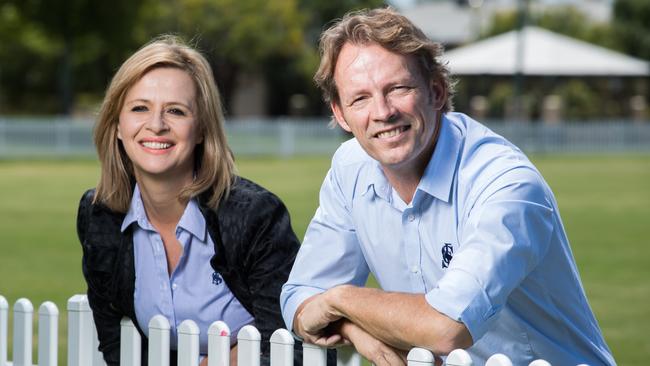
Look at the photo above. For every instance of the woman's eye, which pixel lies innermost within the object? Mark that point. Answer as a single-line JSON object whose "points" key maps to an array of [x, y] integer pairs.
{"points": [[177, 112], [139, 108]]}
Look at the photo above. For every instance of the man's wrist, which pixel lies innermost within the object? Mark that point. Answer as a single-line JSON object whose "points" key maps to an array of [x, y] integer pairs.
{"points": [[336, 298]]}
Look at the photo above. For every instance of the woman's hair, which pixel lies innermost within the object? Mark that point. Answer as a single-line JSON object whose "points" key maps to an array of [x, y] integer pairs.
{"points": [[393, 32], [214, 165]]}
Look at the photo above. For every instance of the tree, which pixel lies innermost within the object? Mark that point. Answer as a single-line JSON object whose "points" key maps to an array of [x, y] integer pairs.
{"points": [[566, 20], [48, 44], [79, 32], [321, 13], [631, 26], [235, 35]]}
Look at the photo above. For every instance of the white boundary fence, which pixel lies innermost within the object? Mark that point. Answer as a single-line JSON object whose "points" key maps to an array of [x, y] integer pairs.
{"points": [[61, 137], [82, 342]]}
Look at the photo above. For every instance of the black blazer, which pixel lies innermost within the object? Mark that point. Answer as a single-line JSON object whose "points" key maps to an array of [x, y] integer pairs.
{"points": [[256, 249]]}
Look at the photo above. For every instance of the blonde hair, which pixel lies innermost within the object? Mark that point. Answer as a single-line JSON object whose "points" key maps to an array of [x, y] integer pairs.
{"points": [[393, 32], [214, 165]]}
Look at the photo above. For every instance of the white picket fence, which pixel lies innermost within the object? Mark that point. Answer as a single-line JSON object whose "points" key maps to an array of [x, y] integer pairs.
{"points": [[82, 342]]}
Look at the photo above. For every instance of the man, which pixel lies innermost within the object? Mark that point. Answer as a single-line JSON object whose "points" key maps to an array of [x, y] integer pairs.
{"points": [[455, 223]]}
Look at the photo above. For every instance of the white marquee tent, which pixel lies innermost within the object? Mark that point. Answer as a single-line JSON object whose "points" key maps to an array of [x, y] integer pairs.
{"points": [[544, 53]]}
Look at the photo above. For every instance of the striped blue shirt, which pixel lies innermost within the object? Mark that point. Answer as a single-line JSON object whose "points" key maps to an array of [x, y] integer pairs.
{"points": [[482, 238], [194, 290]]}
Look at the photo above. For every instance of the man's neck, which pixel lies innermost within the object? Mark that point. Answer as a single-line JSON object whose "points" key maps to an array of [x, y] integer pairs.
{"points": [[405, 178]]}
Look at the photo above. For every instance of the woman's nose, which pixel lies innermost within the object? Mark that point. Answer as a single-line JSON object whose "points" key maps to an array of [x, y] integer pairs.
{"points": [[157, 123]]}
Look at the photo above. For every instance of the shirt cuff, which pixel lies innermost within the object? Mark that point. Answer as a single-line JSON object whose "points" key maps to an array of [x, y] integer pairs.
{"points": [[459, 296], [290, 305]]}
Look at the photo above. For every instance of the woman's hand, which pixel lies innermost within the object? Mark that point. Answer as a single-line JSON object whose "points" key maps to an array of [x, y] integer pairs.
{"points": [[233, 357]]}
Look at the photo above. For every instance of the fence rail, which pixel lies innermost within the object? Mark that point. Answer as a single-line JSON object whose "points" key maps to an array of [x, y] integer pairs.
{"points": [[82, 342], [289, 137]]}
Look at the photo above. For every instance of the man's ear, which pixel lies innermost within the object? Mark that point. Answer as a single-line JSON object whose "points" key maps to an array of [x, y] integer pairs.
{"points": [[438, 95], [338, 116]]}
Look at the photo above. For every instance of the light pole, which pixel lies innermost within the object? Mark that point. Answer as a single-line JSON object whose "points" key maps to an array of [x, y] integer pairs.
{"points": [[518, 89]]}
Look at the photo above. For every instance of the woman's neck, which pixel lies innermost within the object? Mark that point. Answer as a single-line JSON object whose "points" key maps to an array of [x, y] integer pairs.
{"points": [[161, 203]]}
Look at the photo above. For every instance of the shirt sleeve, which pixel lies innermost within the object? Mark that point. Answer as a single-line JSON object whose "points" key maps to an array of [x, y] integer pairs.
{"points": [[503, 236], [330, 254]]}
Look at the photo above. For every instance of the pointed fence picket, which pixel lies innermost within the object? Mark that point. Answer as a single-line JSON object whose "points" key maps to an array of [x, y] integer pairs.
{"points": [[4, 320], [219, 344], [82, 335], [282, 343], [83, 344], [48, 327]]}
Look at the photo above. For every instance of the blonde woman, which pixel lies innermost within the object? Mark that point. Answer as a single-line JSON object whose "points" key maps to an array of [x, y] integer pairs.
{"points": [[170, 229]]}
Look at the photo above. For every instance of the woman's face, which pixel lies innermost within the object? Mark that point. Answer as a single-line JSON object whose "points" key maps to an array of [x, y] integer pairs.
{"points": [[158, 125]]}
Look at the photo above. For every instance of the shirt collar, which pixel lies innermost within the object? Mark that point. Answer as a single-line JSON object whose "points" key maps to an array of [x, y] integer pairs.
{"points": [[192, 220], [438, 175], [377, 182], [136, 212]]}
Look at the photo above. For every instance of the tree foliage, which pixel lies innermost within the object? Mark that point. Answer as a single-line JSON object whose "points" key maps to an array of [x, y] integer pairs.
{"points": [[57, 55], [631, 26], [566, 20]]}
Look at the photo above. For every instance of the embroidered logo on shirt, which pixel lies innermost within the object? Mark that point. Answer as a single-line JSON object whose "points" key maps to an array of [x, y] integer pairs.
{"points": [[216, 278], [447, 254]]}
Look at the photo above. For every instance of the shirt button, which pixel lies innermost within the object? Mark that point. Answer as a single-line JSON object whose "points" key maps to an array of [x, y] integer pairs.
{"points": [[411, 217], [414, 269], [174, 286]]}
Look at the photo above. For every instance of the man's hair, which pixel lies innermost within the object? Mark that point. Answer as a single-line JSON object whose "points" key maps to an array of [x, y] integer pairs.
{"points": [[393, 32], [213, 161]]}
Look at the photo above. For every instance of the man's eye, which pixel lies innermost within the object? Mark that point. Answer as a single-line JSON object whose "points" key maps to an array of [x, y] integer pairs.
{"points": [[357, 100], [402, 88]]}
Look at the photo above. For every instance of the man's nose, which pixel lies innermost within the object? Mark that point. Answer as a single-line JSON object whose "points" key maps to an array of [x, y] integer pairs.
{"points": [[383, 110]]}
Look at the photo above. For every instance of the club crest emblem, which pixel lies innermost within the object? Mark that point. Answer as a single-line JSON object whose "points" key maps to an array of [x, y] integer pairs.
{"points": [[216, 278], [447, 254]]}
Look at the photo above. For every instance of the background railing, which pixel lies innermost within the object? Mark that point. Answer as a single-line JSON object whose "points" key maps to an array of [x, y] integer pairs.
{"points": [[82, 342], [60, 137]]}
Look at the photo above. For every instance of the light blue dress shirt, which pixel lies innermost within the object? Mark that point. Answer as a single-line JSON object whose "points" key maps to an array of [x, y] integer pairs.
{"points": [[194, 290], [482, 239]]}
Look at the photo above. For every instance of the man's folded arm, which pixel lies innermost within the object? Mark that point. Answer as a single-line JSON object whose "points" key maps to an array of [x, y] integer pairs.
{"points": [[400, 320]]}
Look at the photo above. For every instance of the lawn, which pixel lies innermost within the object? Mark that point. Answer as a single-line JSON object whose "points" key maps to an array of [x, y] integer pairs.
{"points": [[604, 201]]}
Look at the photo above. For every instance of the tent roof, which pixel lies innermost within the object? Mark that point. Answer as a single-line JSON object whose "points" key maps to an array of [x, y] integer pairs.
{"points": [[544, 53]]}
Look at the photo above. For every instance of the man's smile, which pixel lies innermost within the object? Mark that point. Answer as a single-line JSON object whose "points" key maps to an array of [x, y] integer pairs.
{"points": [[395, 131]]}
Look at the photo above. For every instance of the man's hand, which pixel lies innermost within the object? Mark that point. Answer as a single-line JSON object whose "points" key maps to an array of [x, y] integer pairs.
{"points": [[315, 322], [374, 350]]}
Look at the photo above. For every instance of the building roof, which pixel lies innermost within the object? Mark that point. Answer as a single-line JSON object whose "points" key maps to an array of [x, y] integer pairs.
{"points": [[544, 53], [445, 21], [454, 22]]}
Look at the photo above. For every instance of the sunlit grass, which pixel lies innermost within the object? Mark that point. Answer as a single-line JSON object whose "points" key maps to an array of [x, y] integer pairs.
{"points": [[604, 202]]}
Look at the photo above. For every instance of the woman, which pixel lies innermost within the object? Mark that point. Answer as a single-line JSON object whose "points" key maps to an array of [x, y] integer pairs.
{"points": [[170, 229]]}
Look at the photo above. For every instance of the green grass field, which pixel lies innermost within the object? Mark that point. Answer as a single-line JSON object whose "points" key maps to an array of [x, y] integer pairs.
{"points": [[604, 201]]}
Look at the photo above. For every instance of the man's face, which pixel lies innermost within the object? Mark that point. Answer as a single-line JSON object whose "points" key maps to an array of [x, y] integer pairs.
{"points": [[387, 105]]}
